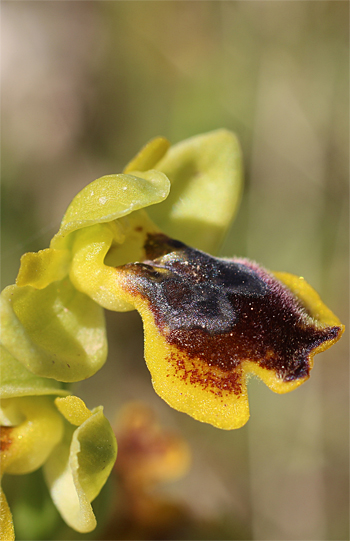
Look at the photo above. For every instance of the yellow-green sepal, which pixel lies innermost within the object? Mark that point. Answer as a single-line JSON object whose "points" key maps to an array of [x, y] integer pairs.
{"points": [[109, 198], [206, 183], [56, 332], [80, 465], [16, 380]]}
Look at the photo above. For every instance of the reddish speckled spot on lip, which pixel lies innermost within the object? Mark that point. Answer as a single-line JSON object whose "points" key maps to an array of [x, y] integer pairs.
{"points": [[212, 381]]}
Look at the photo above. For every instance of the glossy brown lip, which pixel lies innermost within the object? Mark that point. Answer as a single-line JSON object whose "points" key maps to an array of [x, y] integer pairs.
{"points": [[224, 312]]}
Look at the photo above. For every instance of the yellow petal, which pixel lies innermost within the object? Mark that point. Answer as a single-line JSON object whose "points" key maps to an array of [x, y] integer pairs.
{"points": [[149, 155], [41, 268], [96, 254], [73, 409], [88, 272]]}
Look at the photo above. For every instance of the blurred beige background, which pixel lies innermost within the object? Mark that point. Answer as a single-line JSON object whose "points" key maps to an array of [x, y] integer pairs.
{"points": [[84, 85]]}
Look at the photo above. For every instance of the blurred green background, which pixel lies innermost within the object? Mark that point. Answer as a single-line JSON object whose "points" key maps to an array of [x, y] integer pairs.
{"points": [[84, 86]]}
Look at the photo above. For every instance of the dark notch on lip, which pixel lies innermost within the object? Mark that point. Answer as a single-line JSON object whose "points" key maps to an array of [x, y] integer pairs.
{"points": [[158, 245]]}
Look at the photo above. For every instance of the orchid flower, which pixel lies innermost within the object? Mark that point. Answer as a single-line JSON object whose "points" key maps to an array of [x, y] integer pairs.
{"points": [[208, 322], [42, 425]]}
